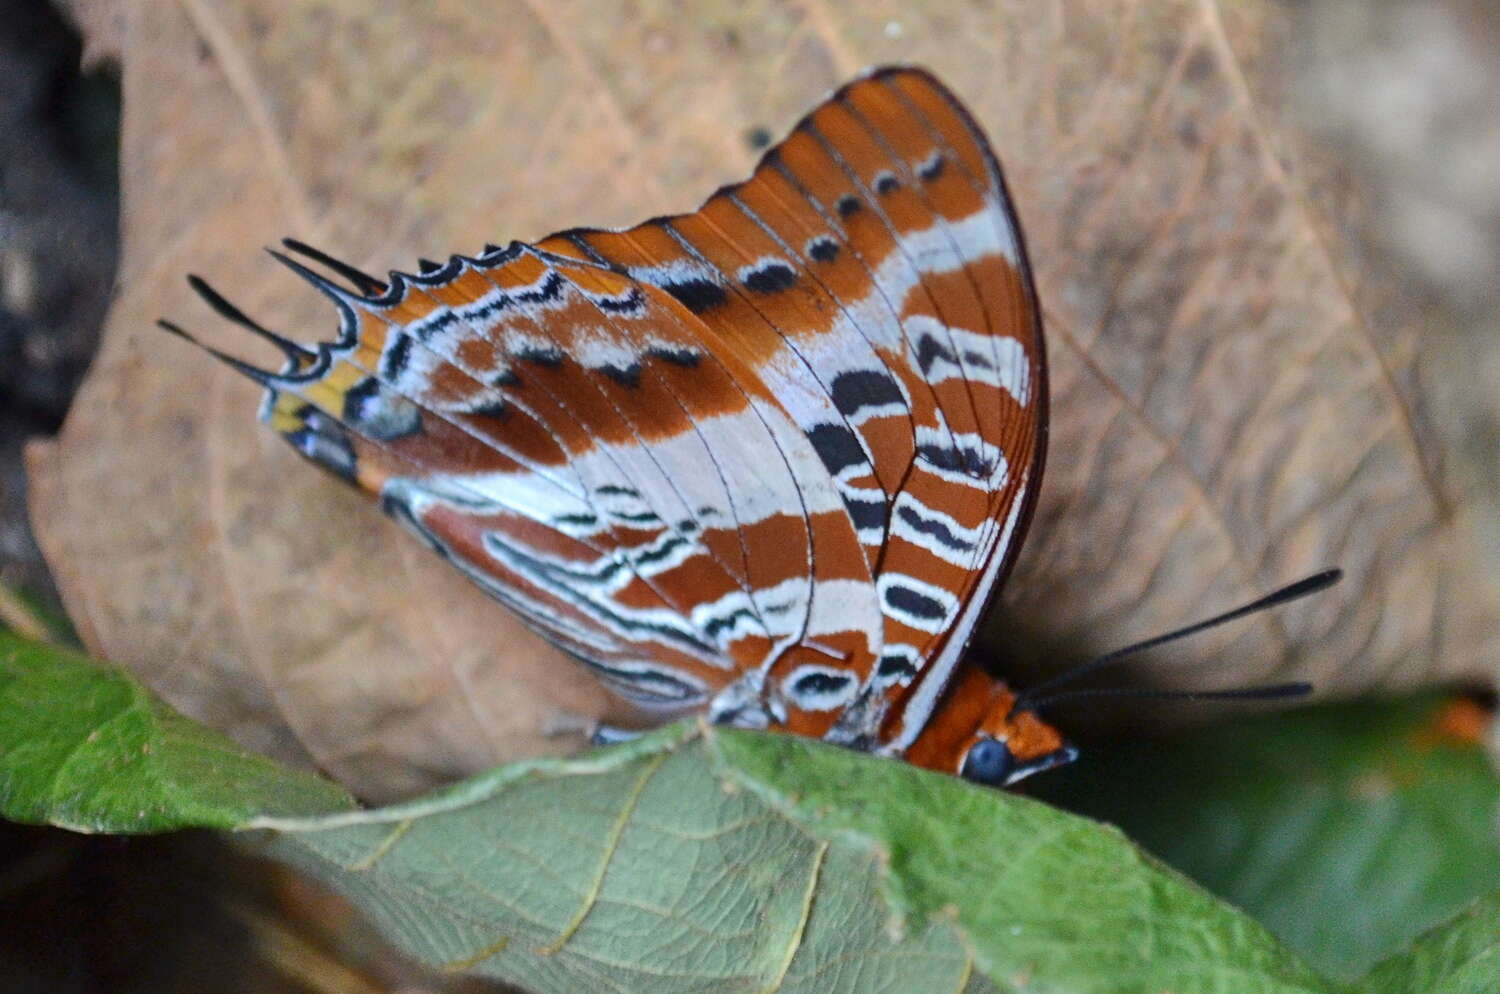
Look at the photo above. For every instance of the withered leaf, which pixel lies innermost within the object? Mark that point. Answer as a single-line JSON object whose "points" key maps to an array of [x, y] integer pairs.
{"points": [[1229, 408]]}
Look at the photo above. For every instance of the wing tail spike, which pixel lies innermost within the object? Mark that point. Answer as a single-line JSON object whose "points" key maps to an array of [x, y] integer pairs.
{"points": [[368, 285], [261, 376], [338, 294], [292, 350], [495, 255]]}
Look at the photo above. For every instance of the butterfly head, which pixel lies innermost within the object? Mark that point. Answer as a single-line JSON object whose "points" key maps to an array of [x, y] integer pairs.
{"points": [[1012, 745], [980, 734]]}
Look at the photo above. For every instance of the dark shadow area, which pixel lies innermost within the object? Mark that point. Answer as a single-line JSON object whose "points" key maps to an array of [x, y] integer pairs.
{"points": [[59, 232]]}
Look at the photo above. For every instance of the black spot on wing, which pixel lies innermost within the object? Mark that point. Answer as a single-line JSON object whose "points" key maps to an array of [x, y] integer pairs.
{"points": [[713, 626], [932, 168], [428, 328], [848, 204], [820, 682], [661, 552], [505, 378], [396, 356], [697, 295], [863, 388], [630, 303], [822, 249], [929, 351], [956, 458], [637, 517], [978, 360], [933, 529], [770, 277], [626, 376], [895, 667], [551, 289], [914, 602], [866, 514], [836, 447], [886, 182], [540, 355], [497, 410], [686, 358], [583, 520]]}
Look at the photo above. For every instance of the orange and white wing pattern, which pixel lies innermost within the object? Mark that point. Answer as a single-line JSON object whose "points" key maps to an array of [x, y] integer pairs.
{"points": [[770, 459]]}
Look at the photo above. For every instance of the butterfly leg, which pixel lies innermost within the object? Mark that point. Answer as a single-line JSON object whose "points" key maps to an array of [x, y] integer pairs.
{"points": [[742, 704], [604, 735]]}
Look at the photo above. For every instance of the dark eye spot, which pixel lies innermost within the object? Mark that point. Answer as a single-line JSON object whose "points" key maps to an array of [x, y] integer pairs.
{"points": [[848, 204], [887, 183]]}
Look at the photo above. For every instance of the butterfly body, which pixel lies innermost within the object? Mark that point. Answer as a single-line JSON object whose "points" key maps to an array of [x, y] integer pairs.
{"points": [[769, 460]]}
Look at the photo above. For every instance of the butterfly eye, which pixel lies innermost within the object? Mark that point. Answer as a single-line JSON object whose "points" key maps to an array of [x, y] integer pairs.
{"points": [[989, 761]]}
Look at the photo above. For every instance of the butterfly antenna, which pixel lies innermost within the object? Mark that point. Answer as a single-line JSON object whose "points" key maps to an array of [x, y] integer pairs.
{"points": [[1270, 692], [1322, 580]]}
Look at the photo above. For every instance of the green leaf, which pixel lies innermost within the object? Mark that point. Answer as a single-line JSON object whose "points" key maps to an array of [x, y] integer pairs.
{"points": [[1461, 957], [1346, 829], [86, 748], [693, 859], [700, 859]]}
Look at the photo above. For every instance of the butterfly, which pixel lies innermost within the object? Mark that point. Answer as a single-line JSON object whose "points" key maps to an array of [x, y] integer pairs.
{"points": [[770, 460]]}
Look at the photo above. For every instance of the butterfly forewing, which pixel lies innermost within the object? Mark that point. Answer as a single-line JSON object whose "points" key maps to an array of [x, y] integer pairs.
{"points": [[771, 457]]}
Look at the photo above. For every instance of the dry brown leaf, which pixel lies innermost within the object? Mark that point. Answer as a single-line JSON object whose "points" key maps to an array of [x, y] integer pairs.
{"points": [[1231, 405]]}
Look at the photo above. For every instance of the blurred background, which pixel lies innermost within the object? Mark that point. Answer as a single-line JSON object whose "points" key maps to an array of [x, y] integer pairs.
{"points": [[1403, 99], [59, 234]]}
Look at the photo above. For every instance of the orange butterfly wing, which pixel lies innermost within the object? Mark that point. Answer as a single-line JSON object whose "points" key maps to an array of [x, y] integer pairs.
{"points": [[772, 457]]}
